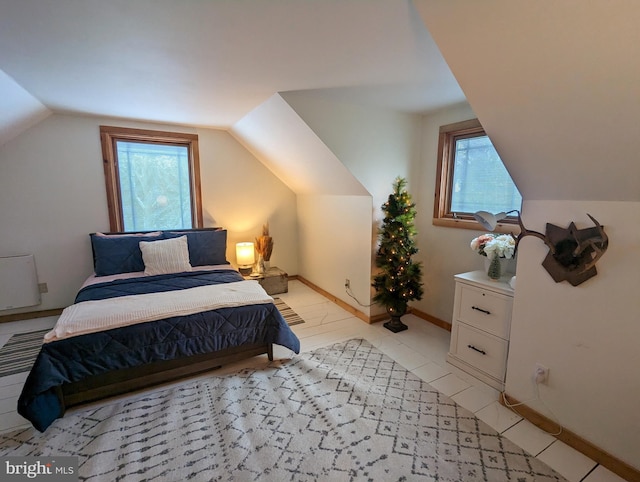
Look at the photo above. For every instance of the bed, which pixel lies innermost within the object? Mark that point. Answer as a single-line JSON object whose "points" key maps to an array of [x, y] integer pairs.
{"points": [[160, 306]]}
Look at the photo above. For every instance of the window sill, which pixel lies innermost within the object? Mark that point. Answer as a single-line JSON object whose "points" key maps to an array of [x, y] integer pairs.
{"points": [[503, 228]]}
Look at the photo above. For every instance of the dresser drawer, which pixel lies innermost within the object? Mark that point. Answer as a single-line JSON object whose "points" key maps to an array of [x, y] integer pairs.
{"points": [[485, 352], [484, 309]]}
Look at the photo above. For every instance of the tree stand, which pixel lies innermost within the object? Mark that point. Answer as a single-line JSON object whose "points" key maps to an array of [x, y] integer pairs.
{"points": [[395, 325]]}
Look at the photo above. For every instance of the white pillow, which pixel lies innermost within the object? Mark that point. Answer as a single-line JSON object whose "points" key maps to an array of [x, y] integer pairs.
{"points": [[165, 256]]}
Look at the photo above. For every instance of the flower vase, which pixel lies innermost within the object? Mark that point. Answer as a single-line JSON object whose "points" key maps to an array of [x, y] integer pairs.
{"points": [[260, 265], [494, 271]]}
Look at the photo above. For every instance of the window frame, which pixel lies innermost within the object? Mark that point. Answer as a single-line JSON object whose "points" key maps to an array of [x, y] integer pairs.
{"points": [[442, 214], [109, 135]]}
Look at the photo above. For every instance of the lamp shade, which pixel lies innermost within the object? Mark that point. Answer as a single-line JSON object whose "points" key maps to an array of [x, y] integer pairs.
{"points": [[245, 254], [488, 220]]}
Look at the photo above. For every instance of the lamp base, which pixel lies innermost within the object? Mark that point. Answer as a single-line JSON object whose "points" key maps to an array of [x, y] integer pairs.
{"points": [[245, 271]]}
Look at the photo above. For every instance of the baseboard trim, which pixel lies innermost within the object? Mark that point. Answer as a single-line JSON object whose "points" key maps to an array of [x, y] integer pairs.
{"points": [[583, 446], [30, 315], [431, 319], [378, 318], [369, 319], [330, 297]]}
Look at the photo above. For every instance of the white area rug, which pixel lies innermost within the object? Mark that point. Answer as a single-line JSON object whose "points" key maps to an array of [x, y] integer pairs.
{"points": [[345, 412]]}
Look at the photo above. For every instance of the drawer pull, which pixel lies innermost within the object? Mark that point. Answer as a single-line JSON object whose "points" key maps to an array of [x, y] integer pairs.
{"points": [[486, 312], [477, 349]]}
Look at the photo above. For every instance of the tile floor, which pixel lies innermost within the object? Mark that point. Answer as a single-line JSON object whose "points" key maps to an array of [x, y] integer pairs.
{"points": [[421, 349]]}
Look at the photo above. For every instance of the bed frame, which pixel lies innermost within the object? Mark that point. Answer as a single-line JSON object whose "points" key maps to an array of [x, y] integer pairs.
{"points": [[128, 380]]}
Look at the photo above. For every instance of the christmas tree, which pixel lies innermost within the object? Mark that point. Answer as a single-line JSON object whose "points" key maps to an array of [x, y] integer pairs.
{"points": [[399, 279]]}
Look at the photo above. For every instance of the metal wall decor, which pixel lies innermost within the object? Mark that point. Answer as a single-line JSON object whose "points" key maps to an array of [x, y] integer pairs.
{"points": [[573, 252]]}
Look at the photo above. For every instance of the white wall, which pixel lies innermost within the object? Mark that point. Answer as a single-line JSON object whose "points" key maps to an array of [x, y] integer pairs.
{"points": [[588, 335], [52, 195], [559, 99], [376, 145], [443, 251], [240, 194], [335, 242]]}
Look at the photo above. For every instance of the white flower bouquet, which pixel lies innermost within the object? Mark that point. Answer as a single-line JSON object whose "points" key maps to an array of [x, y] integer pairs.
{"points": [[498, 245]]}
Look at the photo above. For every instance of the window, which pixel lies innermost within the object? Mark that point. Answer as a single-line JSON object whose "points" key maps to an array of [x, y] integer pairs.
{"points": [[471, 177], [152, 179]]}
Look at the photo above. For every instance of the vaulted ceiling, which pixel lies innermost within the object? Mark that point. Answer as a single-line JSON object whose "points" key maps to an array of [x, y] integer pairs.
{"points": [[555, 88], [208, 63]]}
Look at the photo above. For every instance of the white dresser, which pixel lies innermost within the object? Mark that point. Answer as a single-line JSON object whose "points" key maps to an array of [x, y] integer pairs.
{"points": [[480, 327]]}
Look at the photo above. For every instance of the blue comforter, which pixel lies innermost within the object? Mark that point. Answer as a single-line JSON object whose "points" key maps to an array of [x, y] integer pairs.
{"points": [[74, 359]]}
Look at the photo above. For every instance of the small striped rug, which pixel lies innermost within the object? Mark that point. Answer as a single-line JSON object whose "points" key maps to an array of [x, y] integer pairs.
{"points": [[18, 354], [290, 316]]}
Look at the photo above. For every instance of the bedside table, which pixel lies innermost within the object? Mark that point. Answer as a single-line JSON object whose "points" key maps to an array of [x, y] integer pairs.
{"points": [[481, 327], [274, 281]]}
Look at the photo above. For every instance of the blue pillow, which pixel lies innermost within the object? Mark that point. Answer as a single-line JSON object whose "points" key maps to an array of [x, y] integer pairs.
{"points": [[206, 247], [118, 254]]}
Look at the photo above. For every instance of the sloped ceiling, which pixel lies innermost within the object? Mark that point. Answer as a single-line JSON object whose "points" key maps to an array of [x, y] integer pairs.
{"points": [[209, 63], [19, 109], [274, 133], [556, 86]]}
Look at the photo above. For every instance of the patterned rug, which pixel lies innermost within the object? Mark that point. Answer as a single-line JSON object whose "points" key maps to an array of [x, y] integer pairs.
{"points": [[18, 354], [345, 412]]}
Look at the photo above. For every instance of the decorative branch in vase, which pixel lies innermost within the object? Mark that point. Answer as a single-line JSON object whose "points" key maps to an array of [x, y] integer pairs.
{"points": [[264, 247]]}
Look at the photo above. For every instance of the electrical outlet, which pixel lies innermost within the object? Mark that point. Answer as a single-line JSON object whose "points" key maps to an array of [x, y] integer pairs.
{"points": [[43, 288], [347, 283], [541, 374]]}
